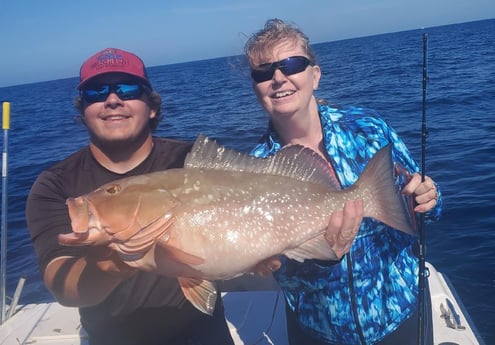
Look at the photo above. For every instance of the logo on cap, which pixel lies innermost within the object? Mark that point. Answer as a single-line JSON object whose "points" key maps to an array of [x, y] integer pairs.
{"points": [[112, 60]]}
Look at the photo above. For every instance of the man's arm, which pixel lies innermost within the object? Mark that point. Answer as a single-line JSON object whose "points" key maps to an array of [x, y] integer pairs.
{"points": [[85, 281]]}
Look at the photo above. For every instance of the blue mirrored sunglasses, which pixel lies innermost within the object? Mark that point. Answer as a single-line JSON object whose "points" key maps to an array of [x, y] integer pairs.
{"points": [[125, 92], [288, 66]]}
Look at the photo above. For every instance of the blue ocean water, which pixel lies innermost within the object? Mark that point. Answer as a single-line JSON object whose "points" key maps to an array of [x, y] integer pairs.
{"points": [[382, 72]]}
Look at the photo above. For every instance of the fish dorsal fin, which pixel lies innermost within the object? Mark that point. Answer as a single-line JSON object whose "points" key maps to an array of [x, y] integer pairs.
{"points": [[296, 161]]}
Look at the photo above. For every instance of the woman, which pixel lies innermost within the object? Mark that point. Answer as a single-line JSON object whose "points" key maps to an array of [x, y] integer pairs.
{"points": [[370, 296]]}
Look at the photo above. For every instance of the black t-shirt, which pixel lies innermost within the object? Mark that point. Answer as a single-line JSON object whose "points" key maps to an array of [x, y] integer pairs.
{"points": [[143, 308]]}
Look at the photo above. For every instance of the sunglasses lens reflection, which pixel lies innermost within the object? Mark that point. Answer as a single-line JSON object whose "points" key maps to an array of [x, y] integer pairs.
{"points": [[288, 66], [123, 91]]}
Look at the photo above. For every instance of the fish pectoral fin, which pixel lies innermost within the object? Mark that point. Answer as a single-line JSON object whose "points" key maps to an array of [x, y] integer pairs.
{"points": [[201, 293], [315, 248], [179, 255]]}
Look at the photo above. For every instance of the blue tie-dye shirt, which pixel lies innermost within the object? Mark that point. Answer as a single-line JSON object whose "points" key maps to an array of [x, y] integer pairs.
{"points": [[374, 288]]}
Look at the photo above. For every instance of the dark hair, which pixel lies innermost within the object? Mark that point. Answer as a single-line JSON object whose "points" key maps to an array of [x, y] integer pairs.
{"points": [[152, 97], [275, 31]]}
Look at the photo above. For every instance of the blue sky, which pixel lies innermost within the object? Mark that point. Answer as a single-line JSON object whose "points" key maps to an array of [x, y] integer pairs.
{"points": [[49, 39]]}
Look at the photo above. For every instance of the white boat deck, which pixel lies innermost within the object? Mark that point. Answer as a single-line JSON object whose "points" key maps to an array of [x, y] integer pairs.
{"points": [[254, 317], [451, 322]]}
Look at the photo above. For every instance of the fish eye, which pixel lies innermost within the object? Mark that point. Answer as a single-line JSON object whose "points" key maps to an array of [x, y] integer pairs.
{"points": [[113, 189]]}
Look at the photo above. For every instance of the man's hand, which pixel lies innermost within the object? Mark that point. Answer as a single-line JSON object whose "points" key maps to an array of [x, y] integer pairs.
{"points": [[109, 261]]}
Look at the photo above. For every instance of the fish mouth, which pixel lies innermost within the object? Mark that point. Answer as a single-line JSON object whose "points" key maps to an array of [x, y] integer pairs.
{"points": [[79, 214], [86, 225]]}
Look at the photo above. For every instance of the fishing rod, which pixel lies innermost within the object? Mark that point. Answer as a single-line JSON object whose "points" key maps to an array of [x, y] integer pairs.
{"points": [[422, 245], [3, 258]]}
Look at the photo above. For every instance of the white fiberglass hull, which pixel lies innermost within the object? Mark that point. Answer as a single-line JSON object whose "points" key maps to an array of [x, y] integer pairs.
{"points": [[254, 317]]}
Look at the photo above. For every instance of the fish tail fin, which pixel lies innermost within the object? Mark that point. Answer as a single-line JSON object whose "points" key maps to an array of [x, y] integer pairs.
{"points": [[387, 203]]}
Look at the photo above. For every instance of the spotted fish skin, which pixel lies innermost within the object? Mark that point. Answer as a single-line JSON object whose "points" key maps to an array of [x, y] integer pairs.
{"points": [[225, 212]]}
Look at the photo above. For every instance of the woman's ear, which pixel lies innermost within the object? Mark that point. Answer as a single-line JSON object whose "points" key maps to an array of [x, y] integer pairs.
{"points": [[316, 76]]}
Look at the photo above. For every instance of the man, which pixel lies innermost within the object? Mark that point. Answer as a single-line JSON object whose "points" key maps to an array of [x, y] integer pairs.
{"points": [[117, 305]]}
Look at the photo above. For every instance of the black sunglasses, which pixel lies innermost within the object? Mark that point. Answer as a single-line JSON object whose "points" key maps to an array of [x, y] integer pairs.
{"points": [[288, 66], [124, 91]]}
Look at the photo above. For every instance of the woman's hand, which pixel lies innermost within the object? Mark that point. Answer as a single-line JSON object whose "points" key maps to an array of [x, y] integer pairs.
{"points": [[340, 233], [344, 226], [425, 193], [267, 266]]}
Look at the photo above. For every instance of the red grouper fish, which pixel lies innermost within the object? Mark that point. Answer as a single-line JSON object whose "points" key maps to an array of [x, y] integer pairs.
{"points": [[225, 212]]}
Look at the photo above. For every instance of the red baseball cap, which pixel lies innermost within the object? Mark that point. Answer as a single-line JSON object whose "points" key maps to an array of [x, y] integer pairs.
{"points": [[112, 60]]}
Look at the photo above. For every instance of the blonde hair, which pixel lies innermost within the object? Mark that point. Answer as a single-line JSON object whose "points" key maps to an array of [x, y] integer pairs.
{"points": [[275, 31]]}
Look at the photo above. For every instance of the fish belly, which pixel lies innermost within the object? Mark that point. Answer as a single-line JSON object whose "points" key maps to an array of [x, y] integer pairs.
{"points": [[235, 224]]}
